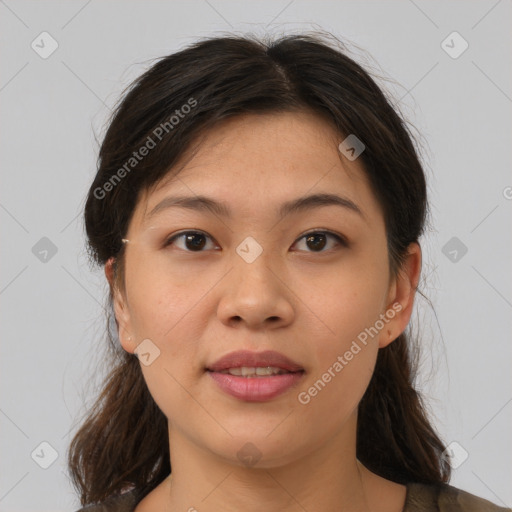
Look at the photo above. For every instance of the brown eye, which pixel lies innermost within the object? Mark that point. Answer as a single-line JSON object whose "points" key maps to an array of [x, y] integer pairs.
{"points": [[197, 241], [194, 241], [316, 241]]}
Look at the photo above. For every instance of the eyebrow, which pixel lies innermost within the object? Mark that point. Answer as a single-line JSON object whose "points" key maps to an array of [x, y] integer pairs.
{"points": [[301, 204]]}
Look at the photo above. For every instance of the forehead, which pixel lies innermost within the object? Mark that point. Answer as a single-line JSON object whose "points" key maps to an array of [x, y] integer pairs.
{"points": [[265, 142], [259, 161]]}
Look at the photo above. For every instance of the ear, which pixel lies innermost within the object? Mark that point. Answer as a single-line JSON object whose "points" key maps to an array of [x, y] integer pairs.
{"points": [[400, 300], [120, 309]]}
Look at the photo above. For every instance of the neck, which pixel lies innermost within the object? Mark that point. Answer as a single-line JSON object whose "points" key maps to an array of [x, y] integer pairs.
{"points": [[327, 477]]}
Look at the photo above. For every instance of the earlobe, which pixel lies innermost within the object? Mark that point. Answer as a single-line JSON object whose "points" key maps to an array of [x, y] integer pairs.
{"points": [[402, 294]]}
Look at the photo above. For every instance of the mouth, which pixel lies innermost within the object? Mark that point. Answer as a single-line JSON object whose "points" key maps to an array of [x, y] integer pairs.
{"points": [[255, 377], [245, 359], [255, 371]]}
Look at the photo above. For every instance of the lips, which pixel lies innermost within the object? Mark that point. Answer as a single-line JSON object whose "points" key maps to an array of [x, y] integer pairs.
{"points": [[247, 359], [255, 376]]}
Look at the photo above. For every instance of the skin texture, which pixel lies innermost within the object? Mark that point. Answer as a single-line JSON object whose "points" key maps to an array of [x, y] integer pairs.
{"points": [[307, 302]]}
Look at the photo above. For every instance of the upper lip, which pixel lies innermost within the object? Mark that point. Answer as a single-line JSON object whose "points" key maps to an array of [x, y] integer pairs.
{"points": [[249, 359]]}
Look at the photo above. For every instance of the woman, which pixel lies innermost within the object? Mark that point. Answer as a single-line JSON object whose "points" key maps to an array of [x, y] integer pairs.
{"points": [[257, 211]]}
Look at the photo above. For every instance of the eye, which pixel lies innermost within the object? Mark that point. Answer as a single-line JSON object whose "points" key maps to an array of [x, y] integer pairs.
{"points": [[194, 240], [317, 240]]}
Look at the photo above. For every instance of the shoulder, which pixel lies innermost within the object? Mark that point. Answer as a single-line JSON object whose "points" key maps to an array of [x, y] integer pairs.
{"points": [[125, 502], [419, 498], [445, 498]]}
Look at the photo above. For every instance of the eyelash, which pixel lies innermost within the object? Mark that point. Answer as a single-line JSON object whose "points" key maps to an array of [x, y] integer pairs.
{"points": [[339, 238]]}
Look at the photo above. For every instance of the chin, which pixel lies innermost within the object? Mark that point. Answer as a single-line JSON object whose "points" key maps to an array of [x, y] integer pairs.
{"points": [[257, 451]]}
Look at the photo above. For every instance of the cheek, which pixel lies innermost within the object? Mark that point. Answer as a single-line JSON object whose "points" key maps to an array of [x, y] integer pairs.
{"points": [[165, 312], [346, 307], [342, 302], [167, 307], [345, 350], [162, 298], [335, 394]]}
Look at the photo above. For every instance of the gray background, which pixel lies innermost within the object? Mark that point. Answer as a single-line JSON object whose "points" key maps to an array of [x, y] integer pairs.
{"points": [[52, 109]]}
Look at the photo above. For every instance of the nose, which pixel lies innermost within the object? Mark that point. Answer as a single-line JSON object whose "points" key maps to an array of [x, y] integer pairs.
{"points": [[255, 294]]}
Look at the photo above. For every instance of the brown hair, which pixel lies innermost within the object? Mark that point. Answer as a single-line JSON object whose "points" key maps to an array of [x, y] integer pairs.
{"points": [[123, 441]]}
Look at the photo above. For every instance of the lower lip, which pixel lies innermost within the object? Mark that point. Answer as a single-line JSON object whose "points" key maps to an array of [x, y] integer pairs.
{"points": [[255, 389]]}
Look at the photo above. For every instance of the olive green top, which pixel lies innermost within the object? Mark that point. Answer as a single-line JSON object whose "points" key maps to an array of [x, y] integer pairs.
{"points": [[419, 498]]}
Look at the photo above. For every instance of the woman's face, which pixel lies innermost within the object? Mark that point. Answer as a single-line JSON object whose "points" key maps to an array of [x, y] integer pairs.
{"points": [[251, 280]]}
